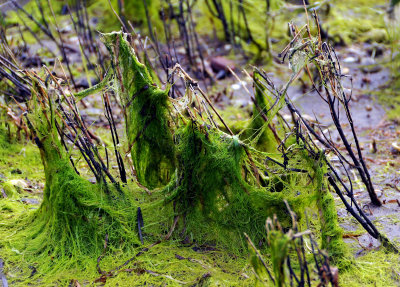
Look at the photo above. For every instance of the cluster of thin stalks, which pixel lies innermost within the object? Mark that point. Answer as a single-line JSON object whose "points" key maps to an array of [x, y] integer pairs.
{"points": [[290, 248], [312, 51]]}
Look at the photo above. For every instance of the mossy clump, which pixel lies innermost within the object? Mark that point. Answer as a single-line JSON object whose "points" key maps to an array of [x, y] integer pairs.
{"points": [[147, 119], [76, 216], [331, 232], [216, 193], [209, 190]]}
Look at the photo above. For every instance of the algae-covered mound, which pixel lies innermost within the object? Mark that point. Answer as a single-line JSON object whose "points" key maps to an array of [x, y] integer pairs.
{"points": [[220, 187], [147, 120], [216, 193], [75, 216]]}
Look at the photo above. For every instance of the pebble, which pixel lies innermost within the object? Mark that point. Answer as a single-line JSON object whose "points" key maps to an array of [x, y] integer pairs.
{"points": [[227, 47], [221, 64], [350, 60], [235, 87], [66, 29], [370, 66], [19, 183], [345, 71], [28, 200], [395, 148], [238, 86]]}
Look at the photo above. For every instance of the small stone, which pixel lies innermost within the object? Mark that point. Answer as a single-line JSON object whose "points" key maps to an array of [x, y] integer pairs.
{"points": [[20, 183], [67, 29], [227, 47], [370, 66], [395, 148], [350, 60], [221, 64], [345, 71], [368, 108], [28, 200]]}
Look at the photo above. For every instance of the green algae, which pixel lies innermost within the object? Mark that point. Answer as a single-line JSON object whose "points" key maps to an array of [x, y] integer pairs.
{"points": [[214, 189], [331, 232], [147, 121], [377, 268], [216, 193], [75, 216], [259, 131], [356, 21], [18, 159], [214, 217]]}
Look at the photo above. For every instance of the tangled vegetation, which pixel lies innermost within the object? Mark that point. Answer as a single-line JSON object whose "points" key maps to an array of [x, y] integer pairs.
{"points": [[197, 204]]}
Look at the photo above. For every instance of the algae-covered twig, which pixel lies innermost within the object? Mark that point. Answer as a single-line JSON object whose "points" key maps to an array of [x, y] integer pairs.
{"points": [[75, 213], [332, 78], [148, 123], [334, 180], [287, 248], [327, 64]]}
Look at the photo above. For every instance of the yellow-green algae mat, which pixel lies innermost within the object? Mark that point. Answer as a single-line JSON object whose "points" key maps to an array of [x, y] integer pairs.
{"points": [[168, 262], [171, 262]]}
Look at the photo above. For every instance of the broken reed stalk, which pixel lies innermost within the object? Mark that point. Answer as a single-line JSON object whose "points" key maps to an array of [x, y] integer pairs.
{"points": [[62, 45], [114, 134], [80, 38], [248, 31], [340, 95]]}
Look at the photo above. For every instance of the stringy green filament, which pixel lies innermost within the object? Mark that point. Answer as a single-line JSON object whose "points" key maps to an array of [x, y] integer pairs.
{"points": [[147, 119]]}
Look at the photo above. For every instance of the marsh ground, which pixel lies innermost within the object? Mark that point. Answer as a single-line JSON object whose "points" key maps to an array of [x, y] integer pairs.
{"points": [[364, 54]]}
